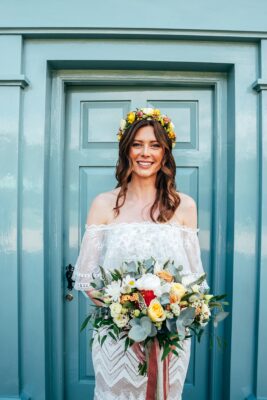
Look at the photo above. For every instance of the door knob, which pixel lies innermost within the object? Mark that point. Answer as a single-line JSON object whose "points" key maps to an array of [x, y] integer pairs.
{"points": [[69, 297]]}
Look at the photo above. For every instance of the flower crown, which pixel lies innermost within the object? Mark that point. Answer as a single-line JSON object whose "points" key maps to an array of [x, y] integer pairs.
{"points": [[148, 113]]}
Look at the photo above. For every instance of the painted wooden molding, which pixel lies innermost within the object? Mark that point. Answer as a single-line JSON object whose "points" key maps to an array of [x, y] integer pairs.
{"points": [[200, 34], [14, 80], [260, 85], [23, 396]]}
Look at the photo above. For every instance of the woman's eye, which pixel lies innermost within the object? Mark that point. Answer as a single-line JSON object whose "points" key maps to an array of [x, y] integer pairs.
{"points": [[153, 145]]}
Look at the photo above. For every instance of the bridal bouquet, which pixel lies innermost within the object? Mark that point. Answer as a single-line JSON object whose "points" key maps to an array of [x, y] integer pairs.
{"points": [[150, 303]]}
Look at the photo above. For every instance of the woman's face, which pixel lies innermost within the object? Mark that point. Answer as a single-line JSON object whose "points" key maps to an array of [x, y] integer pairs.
{"points": [[146, 152]]}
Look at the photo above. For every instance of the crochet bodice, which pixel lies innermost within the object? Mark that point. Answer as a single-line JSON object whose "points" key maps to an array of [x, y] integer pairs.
{"points": [[110, 245]]}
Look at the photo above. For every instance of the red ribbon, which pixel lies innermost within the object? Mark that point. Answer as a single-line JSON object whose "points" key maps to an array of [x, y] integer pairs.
{"points": [[153, 364]]}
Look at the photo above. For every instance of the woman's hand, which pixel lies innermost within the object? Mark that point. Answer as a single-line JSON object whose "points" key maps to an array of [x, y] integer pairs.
{"points": [[139, 351], [90, 294]]}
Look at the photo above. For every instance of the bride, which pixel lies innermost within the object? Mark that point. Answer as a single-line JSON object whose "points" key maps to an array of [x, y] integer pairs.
{"points": [[143, 216]]}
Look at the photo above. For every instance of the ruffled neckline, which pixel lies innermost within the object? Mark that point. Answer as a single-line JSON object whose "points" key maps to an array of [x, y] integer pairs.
{"points": [[141, 223]]}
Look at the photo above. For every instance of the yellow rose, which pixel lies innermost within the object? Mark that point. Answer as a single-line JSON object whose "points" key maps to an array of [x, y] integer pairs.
{"points": [[131, 117], [155, 311], [177, 292]]}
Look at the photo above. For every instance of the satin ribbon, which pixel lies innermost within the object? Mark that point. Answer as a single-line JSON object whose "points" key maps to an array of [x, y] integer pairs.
{"points": [[158, 374]]}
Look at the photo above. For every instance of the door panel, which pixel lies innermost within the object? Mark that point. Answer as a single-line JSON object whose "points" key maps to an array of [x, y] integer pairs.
{"points": [[92, 120]]}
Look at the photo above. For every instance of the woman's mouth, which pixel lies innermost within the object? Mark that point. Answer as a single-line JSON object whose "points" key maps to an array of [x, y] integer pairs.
{"points": [[144, 164]]}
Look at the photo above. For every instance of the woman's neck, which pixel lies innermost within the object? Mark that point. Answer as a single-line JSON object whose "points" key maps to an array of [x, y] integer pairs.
{"points": [[140, 190]]}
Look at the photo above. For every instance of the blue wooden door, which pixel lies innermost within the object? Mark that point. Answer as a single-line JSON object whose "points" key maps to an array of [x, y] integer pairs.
{"points": [[92, 119]]}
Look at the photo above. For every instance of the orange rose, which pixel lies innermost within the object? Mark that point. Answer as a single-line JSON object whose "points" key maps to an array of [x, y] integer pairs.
{"points": [[165, 275]]}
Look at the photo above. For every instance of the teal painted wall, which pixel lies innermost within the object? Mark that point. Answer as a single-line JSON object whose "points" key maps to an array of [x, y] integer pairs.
{"points": [[37, 64]]}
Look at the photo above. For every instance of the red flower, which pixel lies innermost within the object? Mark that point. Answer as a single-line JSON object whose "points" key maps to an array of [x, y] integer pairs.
{"points": [[148, 296]]}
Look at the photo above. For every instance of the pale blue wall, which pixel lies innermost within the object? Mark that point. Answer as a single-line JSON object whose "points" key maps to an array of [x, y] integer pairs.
{"points": [[237, 15]]}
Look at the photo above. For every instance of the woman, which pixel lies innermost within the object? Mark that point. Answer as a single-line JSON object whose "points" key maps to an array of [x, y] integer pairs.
{"points": [[143, 216]]}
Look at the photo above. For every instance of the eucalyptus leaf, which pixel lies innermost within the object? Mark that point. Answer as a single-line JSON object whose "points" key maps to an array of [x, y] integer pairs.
{"points": [[131, 267], [165, 299], [153, 331], [180, 329], [137, 333], [219, 317], [146, 324], [98, 283], [134, 321], [187, 316], [148, 263], [171, 324]]}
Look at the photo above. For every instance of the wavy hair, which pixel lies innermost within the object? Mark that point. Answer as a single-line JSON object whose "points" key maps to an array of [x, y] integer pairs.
{"points": [[167, 198]]}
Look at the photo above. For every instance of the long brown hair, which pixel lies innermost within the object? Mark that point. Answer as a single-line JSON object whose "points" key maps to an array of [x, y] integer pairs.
{"points": [[166, 196]]}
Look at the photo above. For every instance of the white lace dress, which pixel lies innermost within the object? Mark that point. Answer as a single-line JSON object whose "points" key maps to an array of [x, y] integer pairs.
{"points": [[116, 376]]}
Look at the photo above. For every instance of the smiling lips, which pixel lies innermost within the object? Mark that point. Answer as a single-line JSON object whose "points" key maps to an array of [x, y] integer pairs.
{"points": [[145, 164]]}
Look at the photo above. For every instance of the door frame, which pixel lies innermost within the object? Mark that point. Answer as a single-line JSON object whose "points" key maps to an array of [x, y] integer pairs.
{"points": [[223, 156]]}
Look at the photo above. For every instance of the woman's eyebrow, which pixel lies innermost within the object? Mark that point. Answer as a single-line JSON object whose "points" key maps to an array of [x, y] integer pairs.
{"points": [[136, 140]]}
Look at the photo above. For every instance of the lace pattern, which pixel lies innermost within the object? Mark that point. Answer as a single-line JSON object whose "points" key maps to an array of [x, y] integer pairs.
{"points": [[116, 375], [110, 245]]}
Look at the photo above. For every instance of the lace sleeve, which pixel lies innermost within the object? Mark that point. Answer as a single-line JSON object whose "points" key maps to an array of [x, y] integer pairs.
{"points": [[89, 258], [193, 253]]}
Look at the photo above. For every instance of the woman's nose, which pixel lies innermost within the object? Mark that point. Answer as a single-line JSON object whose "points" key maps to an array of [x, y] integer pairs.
{"points": [[145, 150]]}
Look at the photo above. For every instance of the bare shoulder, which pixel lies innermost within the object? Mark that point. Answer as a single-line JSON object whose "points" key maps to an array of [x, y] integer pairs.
{"points": [[188, 210], [101, 206]]}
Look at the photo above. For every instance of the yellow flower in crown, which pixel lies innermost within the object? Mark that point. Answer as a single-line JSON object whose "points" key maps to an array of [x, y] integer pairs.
{"points": [[131, 117], [148, 113]]}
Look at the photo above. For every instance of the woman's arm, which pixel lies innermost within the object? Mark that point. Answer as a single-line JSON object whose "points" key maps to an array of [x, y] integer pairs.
{"points": [[96, 216]]}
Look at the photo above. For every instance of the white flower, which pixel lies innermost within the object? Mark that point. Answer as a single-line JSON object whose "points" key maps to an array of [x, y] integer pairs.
{"points": [[121, 320], [128, 284], [205, 311], [172, 125], [115, 309], [164, 288], [148, 111], [148, 282], [175, 309], [114, 290], [123, 124]]}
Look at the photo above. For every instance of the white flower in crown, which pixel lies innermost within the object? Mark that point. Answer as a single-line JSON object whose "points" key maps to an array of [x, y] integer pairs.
{"points": [[148, 111], [123, 124], [172, 125]]}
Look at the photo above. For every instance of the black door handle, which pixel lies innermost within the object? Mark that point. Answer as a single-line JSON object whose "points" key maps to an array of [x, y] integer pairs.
{"points": [[69, 273]]}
